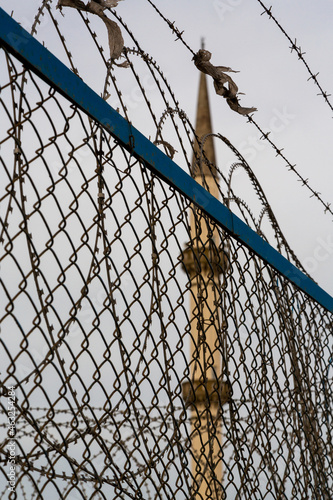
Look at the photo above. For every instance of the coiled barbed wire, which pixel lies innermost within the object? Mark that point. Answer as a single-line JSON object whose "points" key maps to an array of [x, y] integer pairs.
{"points": [[266, 324]]}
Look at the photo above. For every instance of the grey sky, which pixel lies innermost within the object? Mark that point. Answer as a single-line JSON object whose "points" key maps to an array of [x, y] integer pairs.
{"points": [[274, 81]]}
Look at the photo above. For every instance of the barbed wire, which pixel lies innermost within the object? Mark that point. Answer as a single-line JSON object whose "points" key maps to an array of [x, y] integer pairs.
{"points": [[200, 155], [172, 26], [264, 135], [300, 54], [133, 327], [291, 167]]}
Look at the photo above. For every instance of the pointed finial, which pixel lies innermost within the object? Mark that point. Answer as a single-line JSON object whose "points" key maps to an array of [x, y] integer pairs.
{"points": [[202, 42]]}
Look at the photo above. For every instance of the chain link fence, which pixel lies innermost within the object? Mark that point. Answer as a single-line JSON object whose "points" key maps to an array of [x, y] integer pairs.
{"points": [[145, 353]]}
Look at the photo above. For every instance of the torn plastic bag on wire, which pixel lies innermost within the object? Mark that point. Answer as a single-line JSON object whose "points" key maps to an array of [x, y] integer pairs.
{"points": [[218, 73], [97, 7]]}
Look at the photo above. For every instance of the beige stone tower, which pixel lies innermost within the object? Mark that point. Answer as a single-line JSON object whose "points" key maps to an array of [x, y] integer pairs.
{"points": [[204, 261]]}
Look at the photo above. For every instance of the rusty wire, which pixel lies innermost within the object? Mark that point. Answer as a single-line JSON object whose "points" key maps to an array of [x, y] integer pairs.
{"points": [[132, 325], [300, 54], [265, 135]]}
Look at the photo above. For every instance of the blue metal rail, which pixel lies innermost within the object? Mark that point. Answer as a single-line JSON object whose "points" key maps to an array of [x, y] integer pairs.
{"points": [[36, 57]]}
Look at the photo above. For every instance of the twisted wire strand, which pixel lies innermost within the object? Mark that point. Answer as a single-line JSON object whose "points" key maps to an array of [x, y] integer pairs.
{"points": [[172, 26], [265, 136], [300, 54], [100, 261]]}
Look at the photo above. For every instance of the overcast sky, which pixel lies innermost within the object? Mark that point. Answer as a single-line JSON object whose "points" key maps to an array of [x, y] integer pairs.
{"points": [[274, 81]]}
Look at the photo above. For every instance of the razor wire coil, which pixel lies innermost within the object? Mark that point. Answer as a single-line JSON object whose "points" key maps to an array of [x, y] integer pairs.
{"points": [[113, 286]]}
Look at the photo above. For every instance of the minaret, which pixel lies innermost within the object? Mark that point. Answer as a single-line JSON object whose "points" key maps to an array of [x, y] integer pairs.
{"points": [[204, 260]]}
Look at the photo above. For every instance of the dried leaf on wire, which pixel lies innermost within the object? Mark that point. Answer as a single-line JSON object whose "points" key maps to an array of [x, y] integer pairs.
{"points": [[97, 7], [221, 79]]}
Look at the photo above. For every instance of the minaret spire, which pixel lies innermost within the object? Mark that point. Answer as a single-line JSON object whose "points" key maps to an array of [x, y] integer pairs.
{"points": [[203, 127], [205, 261]]}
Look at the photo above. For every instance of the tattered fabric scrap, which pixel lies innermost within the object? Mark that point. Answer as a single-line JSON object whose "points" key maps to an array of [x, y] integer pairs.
{"points": [[218, 73], [116, 41]]}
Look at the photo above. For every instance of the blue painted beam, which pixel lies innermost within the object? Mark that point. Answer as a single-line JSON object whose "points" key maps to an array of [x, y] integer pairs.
{"points": [[36, 57]]}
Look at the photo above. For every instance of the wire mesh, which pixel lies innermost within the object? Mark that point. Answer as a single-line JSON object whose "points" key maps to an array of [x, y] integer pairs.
{"points": [[145, 352]]}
